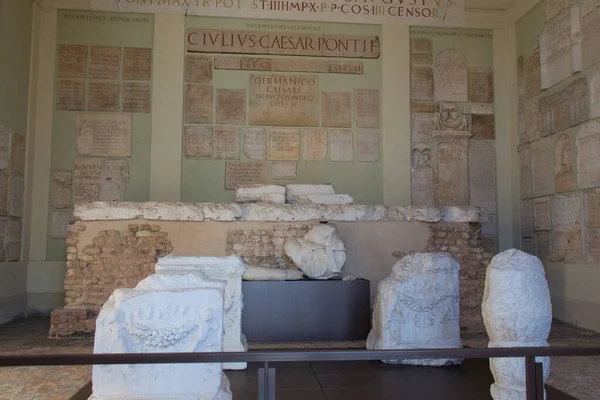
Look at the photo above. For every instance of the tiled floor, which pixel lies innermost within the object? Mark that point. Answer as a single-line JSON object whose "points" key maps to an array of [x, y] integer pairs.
{"points": [[577, 376]]}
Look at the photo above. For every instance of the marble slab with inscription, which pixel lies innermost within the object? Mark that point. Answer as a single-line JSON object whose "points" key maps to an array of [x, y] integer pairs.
{"points": [[424, 108], [590, 32], [421, 51], [60, 193], [543, 245], [255, 143], [231, 106], [567, 246], [104, 96], [533, 84], [591, 213], [527, 218], [367, 108], [482, 176], [5, 146], [137, 64], [105, 62], [528, 246], [336, 110], [59, 223], [450, 76], [314, 144], [3, 237], [198, 104], [421, 83], [198, 68], [481, 85], [198, 141], [283, 170], [244, 173], [284, 144], [479, 109], [72, 61], [526, 183], [70, 95], [422, 187], [542, 164], [565, 108], [533, 121], [542, 214], [18, 154], [452, 174], [566, 212], [564, 164], [105, 135], [368, 146], [522, 127], [554, 7], [289, 65], [588, 154], [136, 97], [16, 193], [226, 143], [592, 246], [14, 233], [4, 177], [483, 127], [284, 100], [524, 155], [595, 95], [100, 179], [341, 142], [422, 124]]}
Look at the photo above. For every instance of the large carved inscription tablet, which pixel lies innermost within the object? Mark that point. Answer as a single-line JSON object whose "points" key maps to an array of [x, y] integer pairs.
{"points": [[588, 154], [533, 121], [97, 179], [590, 30], [226, 143], [136, 97], [593, 246], [368, 146], [543, 245], [533, 85], [452, 180], [255, 143], [283, 170], [284, 100], [198, 69], [421, 51], [244, 173], [342, 145], [566, 223], [564, 164], [482, 176], [314, 144], [104, 96], [104, 135], [422, 175], [483, 127], [231, 106], [105, 62], [541, 214], [198, 141], [422, 124], [481, 85], [70, 95], [592, 209], [421, 83], [198, 104], [337, 110], [366, 108], [59, 223], [289, 65], [450, 76], [60, 195], [137, 64], [542, 162], [595, 95], [284, 144], [72, 61]]}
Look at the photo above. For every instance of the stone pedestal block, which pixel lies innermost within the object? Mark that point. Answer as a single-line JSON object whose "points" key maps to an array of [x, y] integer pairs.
{"points": [[417, 307]]}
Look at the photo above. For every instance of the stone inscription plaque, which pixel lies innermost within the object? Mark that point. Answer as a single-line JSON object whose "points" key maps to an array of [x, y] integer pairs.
{"points": [[366, 108], [542, 162], [342, 145], [289, 65], [422, 125], [5, 146], [527, 246], [478, 109], [482, 176], [452, 180], [283, 170], [198, 104], [533, 121], [450, 76], [543, 245], [567, 246], [231, 106], [564, 164], [198, 141], [592, 209], [526, 183], [522, 127], [541, 214], [368, 146], [526, 218], [198, 69], [136, 97], [524, 156], [336, 110], [314, 144], [421, 51], [60, 195], [595, 95], [556, 49], [481, 85], [554, 7], [588, 154], [104, 96], [244, 173], [590, 30], [593, 246], [284, 100], [533, 85], [284, 144], [18, 154], [421, 83], [226, 143], [483, 127], [105, 62], [72, 61], [97, 179], [424, 108], [59, 223], [422, 176], [566, 212], [564, 109], [137, 64], [16, 188], [70, 95], [4, 175], [255, 143], [105, 135]]}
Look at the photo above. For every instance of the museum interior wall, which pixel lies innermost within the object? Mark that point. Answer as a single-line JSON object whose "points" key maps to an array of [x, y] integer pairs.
{"points": [[15, 43], [559, 76]]}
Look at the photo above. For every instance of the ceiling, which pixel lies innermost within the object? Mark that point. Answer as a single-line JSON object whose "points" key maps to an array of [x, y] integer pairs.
{"points": [[491, 4]]}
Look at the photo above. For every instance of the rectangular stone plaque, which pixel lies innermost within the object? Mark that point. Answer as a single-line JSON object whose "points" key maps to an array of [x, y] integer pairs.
{"points": [[342, 145], [543, 245], [593, 246], [424, 108], [314, 144], [72, 61], [198, 68], [421, 51], [284, 144], [18, 154], [422, 124], [4, 175], [137, 64], [541, 214], [542, 162], [533, 85], [244, 173], [592, 209], [421, 83], [526, 218], [520, 66], [336, 110], [422, 185], [526, 183], [226, 143], [527, 246], [60, 195], [595, 95], [16, 188], [588, 154], [554, 7], [590, 30], [14, 232], [483, 127], [452, 186], [198, 104], [522, 127], [3, 237], [566, 212], [525, 156], [521, 91], [368, 146], [289, 65], [564, 164], [481, 85], [105, 135], [255, 143], [97, 179], [284, 100], [366, 108], [478, 109], [567, 246], [231, 106], [482, 176], [283, 170], [5, 146], [70, 95], [451, 76], [104, 96], [533, 121], [105, 62], [136, 97], [197, 141], [59, 223]]}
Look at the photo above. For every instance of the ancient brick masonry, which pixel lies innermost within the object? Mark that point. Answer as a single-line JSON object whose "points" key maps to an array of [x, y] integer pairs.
{"points": [[115, 259]]}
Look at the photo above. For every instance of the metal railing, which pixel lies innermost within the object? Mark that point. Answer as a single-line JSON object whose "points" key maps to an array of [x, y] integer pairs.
{"points": [[266, 376]]}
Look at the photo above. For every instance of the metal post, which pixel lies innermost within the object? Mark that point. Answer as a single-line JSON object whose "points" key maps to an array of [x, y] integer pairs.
{"points": [[530, 381], [266, 383], [539, 380]]}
